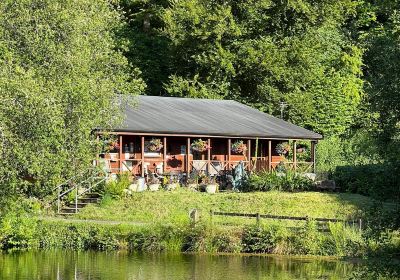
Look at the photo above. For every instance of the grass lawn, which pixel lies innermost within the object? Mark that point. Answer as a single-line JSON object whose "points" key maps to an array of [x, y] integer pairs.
{"points": [[173, 207]]}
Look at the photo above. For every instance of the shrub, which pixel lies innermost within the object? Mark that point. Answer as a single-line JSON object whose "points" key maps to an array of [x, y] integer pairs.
{"points": [[226, 241], [195, 239], [18, 226], [380, 181], [116, 188], [267, 181], [261, 239]]}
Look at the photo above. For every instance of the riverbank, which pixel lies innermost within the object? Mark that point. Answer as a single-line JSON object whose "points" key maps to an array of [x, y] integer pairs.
{"points": [[274, 238], [159, 222]]}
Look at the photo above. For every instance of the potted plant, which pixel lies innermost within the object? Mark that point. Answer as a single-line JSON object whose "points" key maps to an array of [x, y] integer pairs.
{"points": [[301, 149], [283, 148], [172, 184], [200, 146], [154, 183], [193, 183], [210, 184], [113, 146], [239, 147], [155, 145]]}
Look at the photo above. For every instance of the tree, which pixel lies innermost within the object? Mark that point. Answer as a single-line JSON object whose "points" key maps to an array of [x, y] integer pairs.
{"points": [[266, 52], [378, 26], [60, 72]]}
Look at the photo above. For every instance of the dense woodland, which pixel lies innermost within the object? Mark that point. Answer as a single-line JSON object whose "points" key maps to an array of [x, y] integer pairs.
{"points": [[334, 63]]}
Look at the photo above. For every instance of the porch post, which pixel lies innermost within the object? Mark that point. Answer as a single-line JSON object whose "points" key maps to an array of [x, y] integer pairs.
{"points": [[165, 155], [249, 153], [229, 153], [313, 151], [120, 154], [142, 154], [208, 156], [294, 155], [269, 155], [188, 157], [98, 151]]}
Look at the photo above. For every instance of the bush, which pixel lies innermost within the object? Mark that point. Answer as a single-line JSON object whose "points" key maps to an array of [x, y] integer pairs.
{"points": [[80, 236], [227, 241], [288, 181], [18, 226], [380, 181], [258, 239], [116, 188]]}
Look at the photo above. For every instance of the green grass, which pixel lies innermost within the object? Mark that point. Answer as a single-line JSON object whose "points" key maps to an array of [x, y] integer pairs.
{"points": [[173, 207]]}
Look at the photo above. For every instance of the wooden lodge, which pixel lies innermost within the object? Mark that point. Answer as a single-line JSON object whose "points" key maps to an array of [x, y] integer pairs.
{"points": [[158, 135]]}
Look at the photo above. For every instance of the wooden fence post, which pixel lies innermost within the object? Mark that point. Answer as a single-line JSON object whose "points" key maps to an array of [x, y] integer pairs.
{"points": [[194, 216], [258, 218]]}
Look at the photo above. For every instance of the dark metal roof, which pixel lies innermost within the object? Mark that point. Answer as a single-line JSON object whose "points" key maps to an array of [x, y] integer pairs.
{"points": [[187, 116]]}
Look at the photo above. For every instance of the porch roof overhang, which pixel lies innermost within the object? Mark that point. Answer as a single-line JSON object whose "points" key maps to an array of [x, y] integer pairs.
{"points": [[153, 115]]}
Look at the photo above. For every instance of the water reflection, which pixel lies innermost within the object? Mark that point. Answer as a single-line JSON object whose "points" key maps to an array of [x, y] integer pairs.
{"points": [[122, 265]]}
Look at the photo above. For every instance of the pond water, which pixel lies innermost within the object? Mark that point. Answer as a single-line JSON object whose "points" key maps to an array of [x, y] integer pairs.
{"points": [[123, 265]]}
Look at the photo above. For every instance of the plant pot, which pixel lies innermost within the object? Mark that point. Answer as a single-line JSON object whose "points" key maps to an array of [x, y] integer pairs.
{"points": [[171, 187], [154, 187], [193, 187], [212, 188], [134, 187], [113, 156]]}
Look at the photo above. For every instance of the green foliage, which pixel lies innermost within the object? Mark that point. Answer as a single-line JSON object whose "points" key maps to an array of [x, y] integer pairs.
{"points": [[268, 181], [115, 188], [258, 239], [60, 72], [259, 53], [19, 225], [358, 148], [377, 180], [79, 236]]}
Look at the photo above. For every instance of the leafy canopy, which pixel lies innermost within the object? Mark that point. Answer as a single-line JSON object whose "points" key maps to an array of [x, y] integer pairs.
{"points": [[60, 71]]}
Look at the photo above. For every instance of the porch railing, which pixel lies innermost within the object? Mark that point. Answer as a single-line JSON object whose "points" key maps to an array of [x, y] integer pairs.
{"points": [[212, 167]]}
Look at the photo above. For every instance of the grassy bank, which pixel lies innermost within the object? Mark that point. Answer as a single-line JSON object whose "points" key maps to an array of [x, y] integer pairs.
{"points": [[173, 207], [271, 239], [158, 222]]}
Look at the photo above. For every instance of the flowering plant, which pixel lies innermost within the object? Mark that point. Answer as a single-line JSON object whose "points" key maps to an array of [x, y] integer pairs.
{"points": [[155, 145], [113, 146], [283, 148], [200, 146], [239, 147]]}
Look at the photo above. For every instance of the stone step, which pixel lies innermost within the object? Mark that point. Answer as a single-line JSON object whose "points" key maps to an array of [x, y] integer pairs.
{"points": [[88, 200], [79, 204], [91, 195], [70, 210], [66, 214]]}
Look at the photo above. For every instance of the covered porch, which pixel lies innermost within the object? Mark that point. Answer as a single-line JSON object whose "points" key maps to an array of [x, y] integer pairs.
{"points": [[132, 153]]}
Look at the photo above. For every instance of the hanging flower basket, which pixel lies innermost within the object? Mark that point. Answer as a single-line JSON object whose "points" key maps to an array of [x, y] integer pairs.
{"points": [[113, 146], [239, 147], [200, 146], [283, 148], [300, 150], [154, 145]]}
